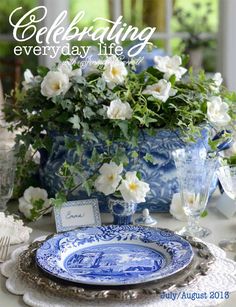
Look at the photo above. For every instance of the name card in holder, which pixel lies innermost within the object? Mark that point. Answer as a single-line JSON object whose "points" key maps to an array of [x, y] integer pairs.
{"points": [[79, 213]]}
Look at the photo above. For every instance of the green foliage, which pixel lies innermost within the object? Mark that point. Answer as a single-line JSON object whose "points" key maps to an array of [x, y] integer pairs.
{"points": [[149, 158], [231, 160], [42, 71], [81, 115], [194, 21], [204, 213]]}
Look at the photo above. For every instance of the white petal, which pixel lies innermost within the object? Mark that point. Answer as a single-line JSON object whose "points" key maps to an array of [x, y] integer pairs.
{"points": [[28, 76], [176, 208]]}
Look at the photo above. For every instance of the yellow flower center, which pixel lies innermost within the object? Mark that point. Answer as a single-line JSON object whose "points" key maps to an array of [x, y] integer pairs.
{"points": [[111, 177], [133, 186], [157, 89], [56, 86], [115, 71], [191, 200]]}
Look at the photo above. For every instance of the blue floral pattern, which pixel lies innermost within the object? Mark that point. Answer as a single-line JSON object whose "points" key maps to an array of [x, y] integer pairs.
{"points": [[161, 175], [114, 255]]}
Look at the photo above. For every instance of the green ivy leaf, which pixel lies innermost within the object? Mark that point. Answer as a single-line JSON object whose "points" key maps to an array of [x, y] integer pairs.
{"points": [[172, 79], [149, 158], [42, 71], [139, 175], [123, 125], [87, 134], [96, 157], [59, 199], [88, 112], [101, 84], [134, 154], [38, 204], [231, 160], [64, 57], [75, 120], [67, 104], [204, 213], [87, 185]]}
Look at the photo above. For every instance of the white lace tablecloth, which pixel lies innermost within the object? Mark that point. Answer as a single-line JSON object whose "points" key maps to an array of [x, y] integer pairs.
{"points": [[209, 290]]}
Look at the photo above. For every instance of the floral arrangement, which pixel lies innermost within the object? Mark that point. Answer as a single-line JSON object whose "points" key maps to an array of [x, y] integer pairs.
{"points": [[109, 102], [130, 188]]}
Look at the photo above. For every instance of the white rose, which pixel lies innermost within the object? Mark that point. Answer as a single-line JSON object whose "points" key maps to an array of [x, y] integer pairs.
{"points": [[217, 78], [67, 69], [217, 111], [114, 71], [109, 178], [26, 203], [119, 110], [30, 79], [170, 66], [161, 90], [54, 84], [176, 208], [132, 189]]}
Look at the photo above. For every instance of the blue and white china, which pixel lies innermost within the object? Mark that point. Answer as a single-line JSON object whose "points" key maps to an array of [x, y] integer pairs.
{"points": [[114, 255], [122, 211], [160, 175], [145, 219]]}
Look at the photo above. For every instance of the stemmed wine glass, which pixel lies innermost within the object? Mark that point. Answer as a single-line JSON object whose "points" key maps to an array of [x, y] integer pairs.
{"points": [[195, 173], [7, 171], [227, 177]]}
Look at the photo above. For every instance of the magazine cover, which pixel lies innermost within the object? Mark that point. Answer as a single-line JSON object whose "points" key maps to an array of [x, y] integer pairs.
{"points": [[117, 153]]}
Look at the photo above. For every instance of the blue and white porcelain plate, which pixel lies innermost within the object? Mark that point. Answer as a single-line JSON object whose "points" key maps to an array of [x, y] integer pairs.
{"points": [[114, 255]]}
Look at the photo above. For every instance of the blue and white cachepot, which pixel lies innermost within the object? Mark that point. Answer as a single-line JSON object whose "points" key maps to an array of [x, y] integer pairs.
{"points": [[161, 175], [121, 210]]}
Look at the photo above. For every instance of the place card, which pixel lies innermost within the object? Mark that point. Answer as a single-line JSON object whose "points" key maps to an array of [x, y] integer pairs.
{"points": [[79, 213]]}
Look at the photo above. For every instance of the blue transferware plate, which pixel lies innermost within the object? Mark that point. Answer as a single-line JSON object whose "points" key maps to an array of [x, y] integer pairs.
{"points": [[114, 255]]}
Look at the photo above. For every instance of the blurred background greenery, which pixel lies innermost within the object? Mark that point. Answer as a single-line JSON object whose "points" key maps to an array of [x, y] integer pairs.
{"points": [[183, 32]]}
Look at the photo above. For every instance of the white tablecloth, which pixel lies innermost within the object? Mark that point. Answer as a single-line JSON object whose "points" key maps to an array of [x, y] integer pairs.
{"points": [[220, 226]]}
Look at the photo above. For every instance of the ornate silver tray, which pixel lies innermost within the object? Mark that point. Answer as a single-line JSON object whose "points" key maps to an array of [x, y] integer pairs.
{"points": [[30, 272]]}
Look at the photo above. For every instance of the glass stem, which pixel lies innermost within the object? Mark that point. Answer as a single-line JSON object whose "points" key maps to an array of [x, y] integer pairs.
{"points": [[193, 222]]}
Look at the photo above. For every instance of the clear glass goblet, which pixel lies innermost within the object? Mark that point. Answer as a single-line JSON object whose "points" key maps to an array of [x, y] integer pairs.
{"points": [[7, 172], [195, 173], [227, 177]]}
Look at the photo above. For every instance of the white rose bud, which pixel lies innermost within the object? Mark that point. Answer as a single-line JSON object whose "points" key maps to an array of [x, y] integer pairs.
{"points": [[170, 66], [176, 208], [55, 83], [161, 90], [119, 110], [132, 189], [217, 111], [109, 178], [114, 72]]}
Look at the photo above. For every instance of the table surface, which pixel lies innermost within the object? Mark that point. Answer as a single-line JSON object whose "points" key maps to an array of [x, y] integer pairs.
{"points": [[220, 226]]}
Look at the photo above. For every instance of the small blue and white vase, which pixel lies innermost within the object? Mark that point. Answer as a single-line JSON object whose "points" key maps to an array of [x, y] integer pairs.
{"points": [[122, 211]]}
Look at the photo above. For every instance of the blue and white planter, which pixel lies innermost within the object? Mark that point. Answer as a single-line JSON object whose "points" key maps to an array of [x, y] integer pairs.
{"points": [[161, 176], [122, 211]]}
